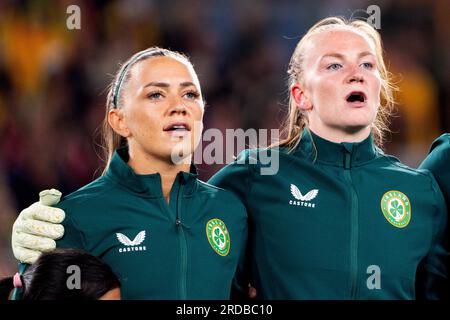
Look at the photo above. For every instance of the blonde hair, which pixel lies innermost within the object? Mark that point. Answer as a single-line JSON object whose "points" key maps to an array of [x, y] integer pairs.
{"points": [[111, 140], [296, 121]]}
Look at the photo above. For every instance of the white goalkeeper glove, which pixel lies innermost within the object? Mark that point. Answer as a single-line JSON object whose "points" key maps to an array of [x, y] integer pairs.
{"points": [[37, 227]]}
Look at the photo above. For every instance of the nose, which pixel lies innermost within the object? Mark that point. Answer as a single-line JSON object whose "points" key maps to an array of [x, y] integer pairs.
{"points": [[177, 106], [356, 76]]}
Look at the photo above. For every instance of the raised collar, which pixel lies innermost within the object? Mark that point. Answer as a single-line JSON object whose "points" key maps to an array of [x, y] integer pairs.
{"points": [[344, 154], [148, 185]]}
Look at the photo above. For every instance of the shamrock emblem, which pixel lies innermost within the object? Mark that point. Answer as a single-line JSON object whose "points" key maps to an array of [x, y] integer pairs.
{"points": [[218, 238], [396, 210]]}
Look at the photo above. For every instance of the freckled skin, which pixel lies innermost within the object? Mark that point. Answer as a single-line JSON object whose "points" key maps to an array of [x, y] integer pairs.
{"points": [[336, 63], [148, 109]]}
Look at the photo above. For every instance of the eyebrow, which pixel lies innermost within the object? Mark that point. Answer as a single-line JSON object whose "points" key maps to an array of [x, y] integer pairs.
{"points": [[341, 56], [166, 85]]}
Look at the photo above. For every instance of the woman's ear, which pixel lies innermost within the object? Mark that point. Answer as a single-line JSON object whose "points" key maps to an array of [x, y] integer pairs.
{"points": [[117, 122], [300, 98]]}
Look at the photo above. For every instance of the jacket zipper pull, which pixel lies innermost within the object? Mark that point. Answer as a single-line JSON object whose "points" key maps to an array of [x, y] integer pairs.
{"points": [[347, 160], [180, 224]]}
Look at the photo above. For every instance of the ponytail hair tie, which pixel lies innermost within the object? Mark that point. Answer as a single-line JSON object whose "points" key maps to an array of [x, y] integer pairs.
{"points": [[17, 281]]}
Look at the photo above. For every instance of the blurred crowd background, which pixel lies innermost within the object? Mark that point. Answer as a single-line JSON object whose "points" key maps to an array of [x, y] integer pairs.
{"points": [[53, 80]]}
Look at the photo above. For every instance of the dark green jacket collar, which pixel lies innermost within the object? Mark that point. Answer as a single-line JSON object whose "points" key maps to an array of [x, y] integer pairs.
{"points": [[345, 154], [145, 184]]}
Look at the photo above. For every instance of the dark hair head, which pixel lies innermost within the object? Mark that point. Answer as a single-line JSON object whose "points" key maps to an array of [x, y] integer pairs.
{"points": [[65, 274]]}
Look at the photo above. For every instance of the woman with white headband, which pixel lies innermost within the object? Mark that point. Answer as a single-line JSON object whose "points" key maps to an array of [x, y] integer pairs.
{"points": [[164, 232]]}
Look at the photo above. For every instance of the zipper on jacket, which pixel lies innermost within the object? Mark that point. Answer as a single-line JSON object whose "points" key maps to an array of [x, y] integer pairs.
{"points": [[183, 246], [353, 228]]}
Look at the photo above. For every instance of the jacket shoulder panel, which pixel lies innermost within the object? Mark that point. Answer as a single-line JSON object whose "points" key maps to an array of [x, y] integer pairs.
{"points": [[225, 195], [94, 191]]}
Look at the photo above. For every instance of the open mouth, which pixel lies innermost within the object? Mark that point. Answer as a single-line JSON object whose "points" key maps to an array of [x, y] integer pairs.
{"points": [[356, 96], [178, 127]]}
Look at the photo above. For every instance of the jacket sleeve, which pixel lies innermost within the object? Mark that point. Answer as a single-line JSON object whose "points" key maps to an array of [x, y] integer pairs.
{"points": [[73, 236], [438, 162], [432, 281], [241, 280], [236, 177]]}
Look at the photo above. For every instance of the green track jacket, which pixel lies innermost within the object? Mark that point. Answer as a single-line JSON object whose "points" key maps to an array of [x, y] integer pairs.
{"points": [[438, 162], [340, 221], [187, 249]]}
